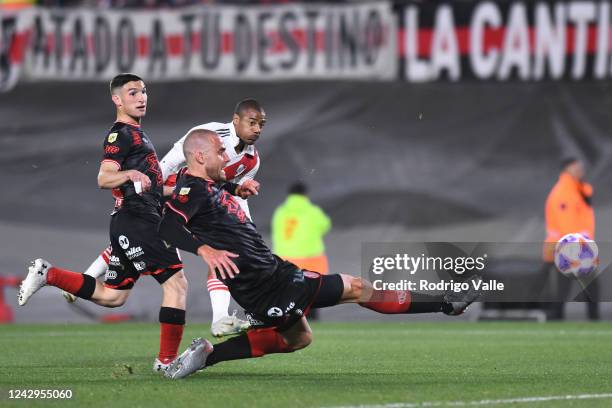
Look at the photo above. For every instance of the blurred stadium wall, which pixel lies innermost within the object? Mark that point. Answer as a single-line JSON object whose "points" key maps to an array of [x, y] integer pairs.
{"points": [[411, 121]]}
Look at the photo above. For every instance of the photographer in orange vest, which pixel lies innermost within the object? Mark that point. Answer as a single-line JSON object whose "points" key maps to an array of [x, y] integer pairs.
{"points": [[569, 210]]}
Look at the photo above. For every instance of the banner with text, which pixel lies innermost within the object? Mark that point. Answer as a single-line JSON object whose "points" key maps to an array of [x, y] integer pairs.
{"points": [[234, 43], [430, 41], [526, 40]]}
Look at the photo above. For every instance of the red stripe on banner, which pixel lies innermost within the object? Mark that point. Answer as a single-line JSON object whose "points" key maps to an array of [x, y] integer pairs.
{"points": [[90, 43], [174, 43], [143, 45], [227, 42], [50, 40], [196, 41], [18, 47]]}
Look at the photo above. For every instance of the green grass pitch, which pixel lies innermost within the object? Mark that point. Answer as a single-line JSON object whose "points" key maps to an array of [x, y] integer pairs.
{"points": [[348, 364]]}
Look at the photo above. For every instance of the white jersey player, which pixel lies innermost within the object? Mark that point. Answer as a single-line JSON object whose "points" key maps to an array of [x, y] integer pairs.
{"points": [[239, 137], [243, 164]]}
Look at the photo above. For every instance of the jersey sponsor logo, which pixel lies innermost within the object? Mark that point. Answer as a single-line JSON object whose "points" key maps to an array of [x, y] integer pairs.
{"points": [[124, 242], [112, 137], [185, 190], [114, 261], [134, 252], [275, 312], [111, 149], [253, 322], [140, 266], [110, 275], [290, 307], [239, 170]]}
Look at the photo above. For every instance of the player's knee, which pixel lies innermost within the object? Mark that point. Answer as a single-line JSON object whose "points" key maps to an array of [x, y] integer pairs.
{"points": [[177, 285]]}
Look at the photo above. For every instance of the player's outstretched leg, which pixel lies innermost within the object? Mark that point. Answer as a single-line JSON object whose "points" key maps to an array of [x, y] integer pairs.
{"points": [[42, 273], [95, 270], [357, 290], [254, 343], [223, 324]]}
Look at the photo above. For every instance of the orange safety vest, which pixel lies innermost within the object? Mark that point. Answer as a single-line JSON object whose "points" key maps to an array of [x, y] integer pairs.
{"points": [[567, 211]]}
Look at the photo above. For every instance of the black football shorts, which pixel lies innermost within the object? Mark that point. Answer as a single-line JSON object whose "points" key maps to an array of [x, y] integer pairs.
{"points": [[138, 250], [295, 292]]}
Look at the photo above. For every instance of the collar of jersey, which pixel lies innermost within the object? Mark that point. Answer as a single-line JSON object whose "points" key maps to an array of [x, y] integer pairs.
{"points": [[136, 125]]}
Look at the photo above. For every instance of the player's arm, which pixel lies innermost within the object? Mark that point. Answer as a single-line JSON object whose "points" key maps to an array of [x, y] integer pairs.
{"points": [[109, 176], [244, 190], [174, 230], [116, 149]]}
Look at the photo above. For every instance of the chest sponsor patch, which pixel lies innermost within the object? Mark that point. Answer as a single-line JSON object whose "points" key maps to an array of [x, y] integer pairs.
{"points": [[112, 137]]}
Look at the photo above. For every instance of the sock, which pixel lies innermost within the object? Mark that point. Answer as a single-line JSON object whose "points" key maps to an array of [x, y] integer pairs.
{"points": [[219, 298], [99, 266], [403, 301], [172, 323], [255, 343], [76, 283]]}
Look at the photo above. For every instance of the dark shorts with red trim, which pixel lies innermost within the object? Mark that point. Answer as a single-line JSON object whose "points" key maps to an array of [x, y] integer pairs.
{"points": [[294, 294], [137, 250]]}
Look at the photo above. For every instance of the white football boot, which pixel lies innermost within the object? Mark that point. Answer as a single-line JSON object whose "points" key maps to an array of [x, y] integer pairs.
{"points": [[228, 325], [191, 360], [36, 279], [158, 366]]}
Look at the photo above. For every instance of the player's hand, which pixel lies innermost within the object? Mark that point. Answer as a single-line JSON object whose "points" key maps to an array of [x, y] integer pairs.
{"points": [[136, 176], [219, 261], [247, 189]]}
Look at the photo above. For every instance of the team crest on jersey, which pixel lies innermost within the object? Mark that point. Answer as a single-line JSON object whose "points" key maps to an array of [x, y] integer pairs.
{"points": [[112, 137], [240, 169]]}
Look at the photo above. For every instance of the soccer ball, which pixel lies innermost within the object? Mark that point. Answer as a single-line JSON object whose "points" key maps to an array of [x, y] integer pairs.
{"points": [[576, 255]]}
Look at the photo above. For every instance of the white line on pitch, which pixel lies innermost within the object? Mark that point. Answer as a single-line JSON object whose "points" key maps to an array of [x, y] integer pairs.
{"points": [[523, 400]]}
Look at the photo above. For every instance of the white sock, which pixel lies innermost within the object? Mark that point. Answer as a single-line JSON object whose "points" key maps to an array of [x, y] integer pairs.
{"points": [[219, 298], [100, 265]]}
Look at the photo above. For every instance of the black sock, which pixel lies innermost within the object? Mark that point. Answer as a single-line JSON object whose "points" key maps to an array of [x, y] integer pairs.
{"points": [[235, 348], [88, 287], [424, 303], [171, 315]]}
